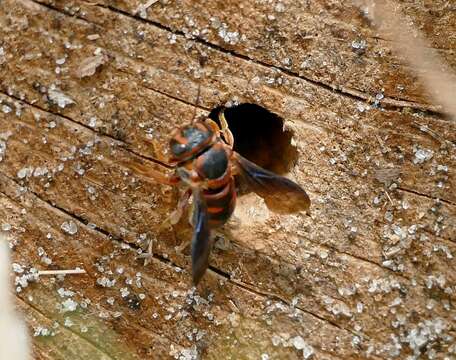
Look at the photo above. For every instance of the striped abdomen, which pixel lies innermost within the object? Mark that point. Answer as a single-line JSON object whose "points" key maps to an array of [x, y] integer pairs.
{"points": [[220, 203], [213, 166]]}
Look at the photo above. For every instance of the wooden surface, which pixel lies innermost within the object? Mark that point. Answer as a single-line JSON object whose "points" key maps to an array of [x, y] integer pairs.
{"points": [[87, 88]]}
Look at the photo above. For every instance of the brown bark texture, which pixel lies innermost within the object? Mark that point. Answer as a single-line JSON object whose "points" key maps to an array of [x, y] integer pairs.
{"points": [[89, 89]]}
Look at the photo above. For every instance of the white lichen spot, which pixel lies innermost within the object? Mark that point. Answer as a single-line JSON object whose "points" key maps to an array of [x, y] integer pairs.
{"points": [[276, 340], [57, 97], [52, 124], [383, 286], [65, 293], [2, 149], [42, 331], [6, 227], [298, 342], [337, 307], [124, 292], [106, 282], [287, 62], [69, 227], [141, 10], [110, 300], [22, 281], [347, 291], [17, 268], [442, 168], [6, 109], [359, 307], [280, 7], [172, 38], [324, 254], [438, 281], [79, 169], [184, 354], [307, 351], [93, 37], [230, 37], [69, 305], [24, 172], [3, 139], [426, 333], [40, 171], [93, 122], [61, 61], [359, 46], [422, 155]]}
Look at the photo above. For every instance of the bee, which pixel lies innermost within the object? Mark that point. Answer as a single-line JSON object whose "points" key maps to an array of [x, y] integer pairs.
{"points": [[204, 161]]}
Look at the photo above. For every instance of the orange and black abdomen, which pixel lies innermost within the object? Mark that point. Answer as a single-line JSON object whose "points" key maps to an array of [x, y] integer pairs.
{"points": [[220, 204], [214, 167]]}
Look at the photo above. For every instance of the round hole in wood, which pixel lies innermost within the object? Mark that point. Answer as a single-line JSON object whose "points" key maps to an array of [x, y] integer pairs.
{"points": [[259, 136]]}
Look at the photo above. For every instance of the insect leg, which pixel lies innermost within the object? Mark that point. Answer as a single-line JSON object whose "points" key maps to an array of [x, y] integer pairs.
{"points": [[227, 134], [175, 216], [150, 174], [225, 131], [213, 125], [196, 103], [172, 219], [180, 249]]}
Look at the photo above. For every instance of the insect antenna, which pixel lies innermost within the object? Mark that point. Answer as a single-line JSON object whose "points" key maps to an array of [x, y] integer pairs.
{"points": [[196, 104]]}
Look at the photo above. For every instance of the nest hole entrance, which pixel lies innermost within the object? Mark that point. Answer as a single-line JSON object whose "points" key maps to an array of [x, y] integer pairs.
{"points": [[259, 136]]}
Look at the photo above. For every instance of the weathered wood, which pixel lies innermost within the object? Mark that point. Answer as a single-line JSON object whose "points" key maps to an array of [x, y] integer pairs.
{"points": [[370, 274]]}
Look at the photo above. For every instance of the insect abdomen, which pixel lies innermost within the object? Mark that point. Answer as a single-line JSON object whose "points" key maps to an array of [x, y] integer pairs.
{"points": [[220, 204]]}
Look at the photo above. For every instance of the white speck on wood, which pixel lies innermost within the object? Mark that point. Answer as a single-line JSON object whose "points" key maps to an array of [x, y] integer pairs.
{"points": [[89, 66], [69, 227], [59, 98]]}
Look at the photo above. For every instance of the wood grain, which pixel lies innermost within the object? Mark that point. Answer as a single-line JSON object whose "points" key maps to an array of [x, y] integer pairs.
{"points": [[371, 274]]}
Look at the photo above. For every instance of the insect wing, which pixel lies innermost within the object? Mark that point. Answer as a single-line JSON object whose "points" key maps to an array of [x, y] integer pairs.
{"points": [[201, 244], [280, 194]]}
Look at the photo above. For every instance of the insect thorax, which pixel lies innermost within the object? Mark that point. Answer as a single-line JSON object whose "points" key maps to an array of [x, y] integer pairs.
{"points": [[190, 140]]}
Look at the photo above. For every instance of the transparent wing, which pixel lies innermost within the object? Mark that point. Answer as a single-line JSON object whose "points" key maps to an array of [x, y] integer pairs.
{"points": [[280, 194], [201, 244]]}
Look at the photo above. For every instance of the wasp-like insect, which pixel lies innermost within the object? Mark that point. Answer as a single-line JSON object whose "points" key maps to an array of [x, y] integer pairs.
{"points": [[204, 162]]}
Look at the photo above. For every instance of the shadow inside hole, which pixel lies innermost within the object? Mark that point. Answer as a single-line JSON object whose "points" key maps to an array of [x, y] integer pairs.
{"points": [[259, 136]]}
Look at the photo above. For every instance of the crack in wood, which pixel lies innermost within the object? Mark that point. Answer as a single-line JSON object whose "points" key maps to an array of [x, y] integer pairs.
{"points": [[448, 202], [389, 103], [122, 144], [63, 12], [183, 101]]}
